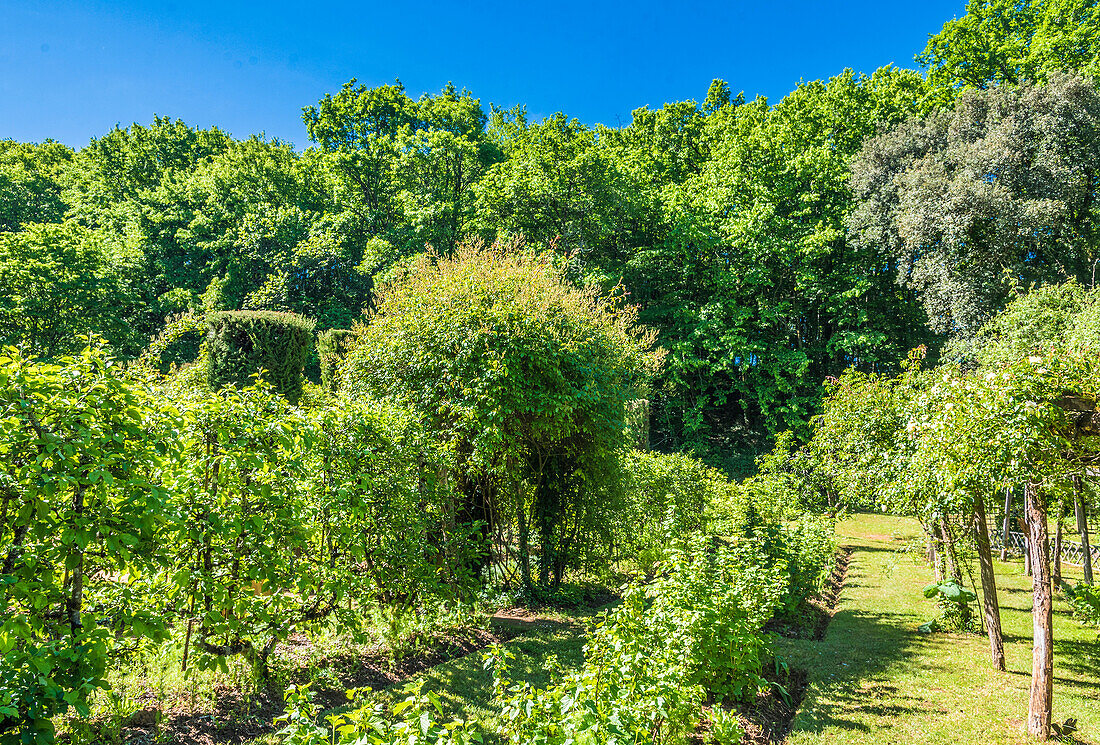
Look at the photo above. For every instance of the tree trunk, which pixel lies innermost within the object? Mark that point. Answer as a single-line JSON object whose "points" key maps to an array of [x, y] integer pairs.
{"points": [[74, 603], [989, 586], [1056, 570], [1083, 527], [1042, 654], [935, 551], [953, 566], [1006, 528]]}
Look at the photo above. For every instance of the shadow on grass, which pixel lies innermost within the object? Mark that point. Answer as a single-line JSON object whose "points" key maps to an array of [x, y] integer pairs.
{"points": [[864, 646]]}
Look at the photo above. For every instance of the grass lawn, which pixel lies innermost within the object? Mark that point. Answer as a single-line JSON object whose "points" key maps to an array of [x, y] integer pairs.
{"points": [[875, 679]]}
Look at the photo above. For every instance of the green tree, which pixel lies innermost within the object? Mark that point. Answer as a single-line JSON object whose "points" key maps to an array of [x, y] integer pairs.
{"points": [[1012, 42], [60, 282], [83, 521], [31, 183], [405, 167], [757, 290], [995, 192]]}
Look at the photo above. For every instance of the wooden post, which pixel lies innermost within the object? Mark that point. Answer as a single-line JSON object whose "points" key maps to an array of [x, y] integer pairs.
{"points": [[989, 586], [1007, 524], [1083, 527], [1042, 619], [1027, 537], [1056, 571]]}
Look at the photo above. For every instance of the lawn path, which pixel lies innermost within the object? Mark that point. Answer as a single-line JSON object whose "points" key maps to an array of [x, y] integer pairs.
{"points": [[875, 679]]}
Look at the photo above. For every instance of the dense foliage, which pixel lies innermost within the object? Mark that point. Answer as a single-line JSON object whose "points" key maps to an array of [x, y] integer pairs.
{"points": [[524, 379], [244, 344], [735, 226], [511, 312]]}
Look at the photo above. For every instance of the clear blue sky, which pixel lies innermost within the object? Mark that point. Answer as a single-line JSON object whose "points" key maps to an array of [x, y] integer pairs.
{"points": [[71, 69]]}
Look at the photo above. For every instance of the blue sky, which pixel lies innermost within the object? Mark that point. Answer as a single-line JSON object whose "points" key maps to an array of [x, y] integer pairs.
{"points": [[71, 70]]}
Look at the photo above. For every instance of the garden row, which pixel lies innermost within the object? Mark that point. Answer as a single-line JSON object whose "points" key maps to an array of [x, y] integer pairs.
{"points": [[474, 433]]}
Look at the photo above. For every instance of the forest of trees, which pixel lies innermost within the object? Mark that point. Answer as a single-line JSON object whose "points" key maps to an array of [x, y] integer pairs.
{"points": [[772, 244], [877, 292]]}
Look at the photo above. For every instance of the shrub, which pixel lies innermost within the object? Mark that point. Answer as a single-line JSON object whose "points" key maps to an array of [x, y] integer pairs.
{"points": [[249, 561], [244, 343], [955, 612], [1085, 599], [332, 347], [808, 546], [664, 495], [526, 378]]}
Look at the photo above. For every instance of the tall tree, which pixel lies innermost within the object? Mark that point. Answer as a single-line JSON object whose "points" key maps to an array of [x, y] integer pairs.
{"points": [[31, 183], [995, 192], [1012, 42]]}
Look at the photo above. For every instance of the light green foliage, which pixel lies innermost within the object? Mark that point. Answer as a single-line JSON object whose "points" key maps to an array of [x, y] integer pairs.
{"points": [[416, 720], [761, 294], [665, 495], [332, 347], [60, 282], [387, 516], [83, 528], [523, 378], [560, 187], [1085, 599], [30, 187], [649, 663], [249, 561], [955, 612], [857, 452], [1012, 42], [243, 344], [406, 167]]}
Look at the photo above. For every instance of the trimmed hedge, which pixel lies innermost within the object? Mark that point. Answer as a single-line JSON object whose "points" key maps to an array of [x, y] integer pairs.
{"points": [[244, 342], [332, 345]]}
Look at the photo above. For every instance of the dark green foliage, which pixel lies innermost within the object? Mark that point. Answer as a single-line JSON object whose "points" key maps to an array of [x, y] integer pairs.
{"points": [[332, 345], [998, 192], [242, 343]]}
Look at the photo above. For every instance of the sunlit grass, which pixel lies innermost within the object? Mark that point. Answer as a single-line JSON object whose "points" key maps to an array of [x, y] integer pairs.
{"points": [[875, 679]]}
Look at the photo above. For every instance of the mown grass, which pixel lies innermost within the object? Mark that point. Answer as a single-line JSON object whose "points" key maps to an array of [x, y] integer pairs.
{"points": [[875, 679]]}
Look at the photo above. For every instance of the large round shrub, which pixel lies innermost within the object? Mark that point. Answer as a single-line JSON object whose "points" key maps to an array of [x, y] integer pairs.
{"points": [[525, 378]]}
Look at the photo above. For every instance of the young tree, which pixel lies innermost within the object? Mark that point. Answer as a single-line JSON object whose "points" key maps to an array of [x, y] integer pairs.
{"points": [[84, 520]]}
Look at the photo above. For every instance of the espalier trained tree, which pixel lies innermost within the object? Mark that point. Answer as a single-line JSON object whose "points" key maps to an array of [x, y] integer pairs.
{"points": [[84, 520], [1018, 412]]}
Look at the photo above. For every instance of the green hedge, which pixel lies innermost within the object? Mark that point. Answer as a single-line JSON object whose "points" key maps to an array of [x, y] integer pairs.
{"points": [[244, 342], [332, 345]]}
